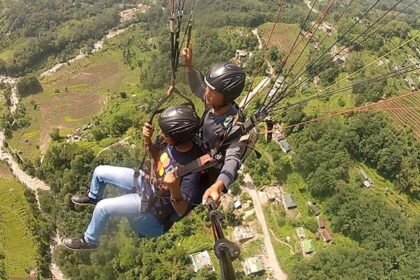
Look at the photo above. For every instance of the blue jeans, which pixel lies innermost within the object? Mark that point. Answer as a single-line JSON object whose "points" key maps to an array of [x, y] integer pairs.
{"points": [[126, 205]]}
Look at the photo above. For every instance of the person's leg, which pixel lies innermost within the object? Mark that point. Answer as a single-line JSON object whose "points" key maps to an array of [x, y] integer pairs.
{"points": [[120, 177], [127, 205], [146, 225]]}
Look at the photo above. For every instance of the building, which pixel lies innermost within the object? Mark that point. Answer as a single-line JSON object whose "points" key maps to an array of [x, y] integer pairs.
{"points": [[325, 235], [313, 208], [321, 223], [308, 246], [367, 182], [273, 193], [253, 266], [288, 201], [278, 133], [237, 204], [339, 56], [201, 260], [284, 145], [277, 87], [301, 233], [411, 83], [241, 56], [242, 233], [327, 27], [317, 81]]}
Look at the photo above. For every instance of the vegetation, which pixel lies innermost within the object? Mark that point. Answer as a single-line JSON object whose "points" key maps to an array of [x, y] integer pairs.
{"points": [[18, 230], [42, 30]]}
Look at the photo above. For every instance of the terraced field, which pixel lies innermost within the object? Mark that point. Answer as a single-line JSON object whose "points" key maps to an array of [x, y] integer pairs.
{"points": [[16, 241], [283, 37], [405, 111], [71, 97]]}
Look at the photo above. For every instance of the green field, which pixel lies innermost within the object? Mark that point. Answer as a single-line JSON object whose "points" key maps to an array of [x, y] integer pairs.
{"points": [[16, 241], [283, 37], [71, 97]]}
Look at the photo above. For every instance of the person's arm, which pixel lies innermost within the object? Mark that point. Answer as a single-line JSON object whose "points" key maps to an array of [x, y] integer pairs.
{"points": [[197, 85], [178, 201], [227, 175], [231, 165], [195, 79], [147, 134]]}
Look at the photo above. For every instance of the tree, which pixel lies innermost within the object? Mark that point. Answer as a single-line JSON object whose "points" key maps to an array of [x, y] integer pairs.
{"points": [[329, 75], [55, 134], [274, 54], [29, 85], [3, 69]]}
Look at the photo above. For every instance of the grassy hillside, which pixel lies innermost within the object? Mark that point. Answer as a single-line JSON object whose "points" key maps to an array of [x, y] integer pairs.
{"points": [[71, 97], [283, 37], [16, 241]]}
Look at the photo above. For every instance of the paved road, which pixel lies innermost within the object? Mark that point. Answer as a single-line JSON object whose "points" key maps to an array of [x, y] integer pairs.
{"points": [[278, 273]]}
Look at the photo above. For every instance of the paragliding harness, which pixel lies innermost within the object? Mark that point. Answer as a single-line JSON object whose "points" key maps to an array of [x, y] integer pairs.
{"points": [[150, 192], [232, 136]]}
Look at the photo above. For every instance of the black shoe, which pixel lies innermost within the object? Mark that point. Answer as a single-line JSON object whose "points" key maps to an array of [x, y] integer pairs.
{"points": [[78, 244], [82, 199]]}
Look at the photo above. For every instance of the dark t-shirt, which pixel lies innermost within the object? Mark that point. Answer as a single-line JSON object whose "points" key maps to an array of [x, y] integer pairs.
{"points": [[190, 187], [212, 129]]}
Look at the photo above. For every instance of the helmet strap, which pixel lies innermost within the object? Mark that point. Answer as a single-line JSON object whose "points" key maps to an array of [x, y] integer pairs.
{"points": [[222, 106]]}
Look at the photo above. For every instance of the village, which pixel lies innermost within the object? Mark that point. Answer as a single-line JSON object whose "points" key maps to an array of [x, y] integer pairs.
{"points": [[303, 241]]}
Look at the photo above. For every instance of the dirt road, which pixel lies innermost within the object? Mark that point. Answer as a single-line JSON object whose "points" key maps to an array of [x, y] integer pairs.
{"points": [[278, 273]]}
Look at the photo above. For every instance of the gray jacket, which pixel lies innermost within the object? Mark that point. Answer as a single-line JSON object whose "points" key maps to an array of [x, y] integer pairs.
{"points": [[213, 129]]}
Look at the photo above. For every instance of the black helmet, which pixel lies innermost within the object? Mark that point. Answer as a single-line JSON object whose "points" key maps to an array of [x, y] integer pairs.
{"points": [[226, 78], [179, 122]]}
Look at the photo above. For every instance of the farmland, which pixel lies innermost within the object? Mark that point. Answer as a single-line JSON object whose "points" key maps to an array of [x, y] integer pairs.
{"points": [[16, 241], [405, 111], [283, 37], [71, 97]]}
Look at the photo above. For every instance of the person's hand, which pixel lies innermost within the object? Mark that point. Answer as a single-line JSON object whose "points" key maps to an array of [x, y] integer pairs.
{"points": [[214, 191], [170, 180], [147, 133], [187, 55], [170, 90]]}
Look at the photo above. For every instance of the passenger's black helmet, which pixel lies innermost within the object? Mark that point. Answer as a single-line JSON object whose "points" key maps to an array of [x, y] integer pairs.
{"points": [[179, 122], [226, 78]]}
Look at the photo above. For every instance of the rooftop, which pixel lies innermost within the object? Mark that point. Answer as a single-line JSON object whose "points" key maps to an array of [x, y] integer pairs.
{"points": [[243, 233], [253, 265], [201, 260], [308, 246], [289, 201]]}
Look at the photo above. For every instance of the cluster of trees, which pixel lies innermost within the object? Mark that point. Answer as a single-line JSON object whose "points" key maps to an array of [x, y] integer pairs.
{"points": [[394, 153], [29, 85], [388, 240], [3, 274], [11, 122], [119, 117], [263, 170], [57, 28], [321, 157], [211, 43], [324, 152], [388, 236], [41, 229]]}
